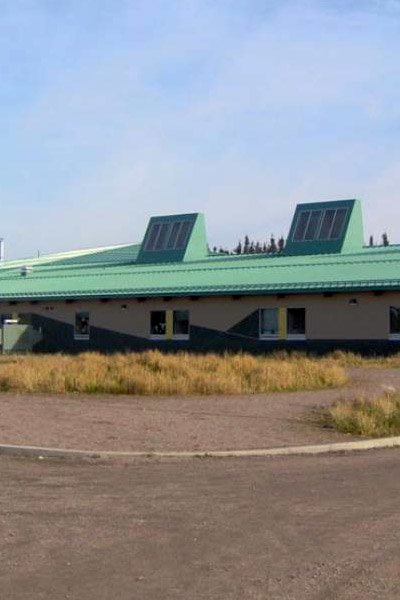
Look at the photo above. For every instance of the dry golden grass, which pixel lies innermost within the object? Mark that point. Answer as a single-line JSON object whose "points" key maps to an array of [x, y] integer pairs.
{"points": [[351, 359], [155, 373], [375, 418]]}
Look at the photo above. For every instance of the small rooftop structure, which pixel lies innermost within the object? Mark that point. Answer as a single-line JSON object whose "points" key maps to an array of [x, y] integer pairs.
{"points": [[326, 228], [174, 238]]}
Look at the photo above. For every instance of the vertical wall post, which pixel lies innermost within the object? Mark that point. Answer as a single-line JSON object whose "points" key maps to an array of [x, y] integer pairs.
{"points": [[169, 324], [282, 323]]}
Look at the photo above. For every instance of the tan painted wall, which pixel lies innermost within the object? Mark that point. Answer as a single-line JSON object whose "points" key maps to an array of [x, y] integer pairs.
{"points": [[326, 318]]}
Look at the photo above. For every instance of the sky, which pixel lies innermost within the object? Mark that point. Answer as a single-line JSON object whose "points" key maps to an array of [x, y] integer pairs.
{"points": [[115, 110]]}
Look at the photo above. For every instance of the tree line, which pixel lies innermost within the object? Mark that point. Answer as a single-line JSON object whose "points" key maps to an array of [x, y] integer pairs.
{"points": [[274, 246], [248, 246]]}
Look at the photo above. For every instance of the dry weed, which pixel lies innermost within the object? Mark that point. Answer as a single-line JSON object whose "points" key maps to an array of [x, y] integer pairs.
{"points": [[156, 373]]}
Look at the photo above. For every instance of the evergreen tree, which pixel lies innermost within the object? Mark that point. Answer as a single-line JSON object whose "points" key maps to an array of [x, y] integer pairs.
{"points": [[371, 240], [238, 249], [281, 244], [385, 239], [272, 245], [246, 246], [258, 248]]}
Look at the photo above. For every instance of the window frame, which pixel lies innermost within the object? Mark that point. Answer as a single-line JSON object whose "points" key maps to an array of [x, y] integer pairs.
{"points": [[265, 336], [158, 336], [293, 337], [394, 336], [166, 236], [175, 336], [180, 336], [320, 223], [82, 336]]}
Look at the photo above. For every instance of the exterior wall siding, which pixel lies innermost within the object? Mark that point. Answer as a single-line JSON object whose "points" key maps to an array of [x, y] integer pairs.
{"points": [[216, 322]]}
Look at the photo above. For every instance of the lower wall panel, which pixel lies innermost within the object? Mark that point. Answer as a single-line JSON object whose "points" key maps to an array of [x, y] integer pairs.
{"points": [[59, 337]]}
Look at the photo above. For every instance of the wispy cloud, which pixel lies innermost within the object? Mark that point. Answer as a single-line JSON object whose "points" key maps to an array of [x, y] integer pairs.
{"points": [[111, 112]]}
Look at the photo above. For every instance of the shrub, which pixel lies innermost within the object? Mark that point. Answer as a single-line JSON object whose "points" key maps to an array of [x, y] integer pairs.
{"points": [[378, 417]]}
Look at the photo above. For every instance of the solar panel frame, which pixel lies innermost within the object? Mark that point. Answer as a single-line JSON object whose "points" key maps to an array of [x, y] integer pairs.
{"points": [[313, 225], [183, 235], [152, 237], [173, 236], [162, 237], [338, 223], [301, 225], [326, 224]]}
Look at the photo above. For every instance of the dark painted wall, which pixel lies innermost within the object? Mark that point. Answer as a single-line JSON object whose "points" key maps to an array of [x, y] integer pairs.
{"points": [[59, 337]]}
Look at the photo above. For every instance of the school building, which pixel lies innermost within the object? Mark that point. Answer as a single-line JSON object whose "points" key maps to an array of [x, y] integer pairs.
{"points": [[325, 290]]}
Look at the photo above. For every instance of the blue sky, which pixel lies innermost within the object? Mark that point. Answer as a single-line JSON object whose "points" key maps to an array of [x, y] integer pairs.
{"points": [[114, 110]]}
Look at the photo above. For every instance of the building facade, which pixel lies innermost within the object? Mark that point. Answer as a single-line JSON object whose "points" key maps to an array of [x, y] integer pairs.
{"points": [[325, 290]]}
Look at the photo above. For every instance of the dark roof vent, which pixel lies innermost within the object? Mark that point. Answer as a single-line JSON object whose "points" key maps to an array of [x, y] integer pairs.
{"points": [[25, 270]]}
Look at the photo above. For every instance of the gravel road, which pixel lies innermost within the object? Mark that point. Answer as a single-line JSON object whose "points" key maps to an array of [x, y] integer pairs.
{"points": [[295, 528]]}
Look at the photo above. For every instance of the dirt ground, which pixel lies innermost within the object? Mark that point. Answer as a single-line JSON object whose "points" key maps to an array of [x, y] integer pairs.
{"points": [[188, 423], [294, 528]]}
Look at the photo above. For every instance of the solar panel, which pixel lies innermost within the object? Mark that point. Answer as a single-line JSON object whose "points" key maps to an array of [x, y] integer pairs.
{"points": [[302, 222], [327, 221], [183, 234], [319, 224], [338, 223], [325, 227], [152, 236], [313, 224], [171, 236], [162, 237]]}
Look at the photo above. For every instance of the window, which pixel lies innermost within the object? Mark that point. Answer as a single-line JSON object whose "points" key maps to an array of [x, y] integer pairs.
{"points": [[169, 324], [313, 225], [152, 237], [327, 221], [82, 326], [301, 225], [181, 323], [320, 224], [338, 223], [183, 234], [167, 236], [162, 237], [173, 235], [296, 323], [269, 325], [394, 322], [158, 323]]}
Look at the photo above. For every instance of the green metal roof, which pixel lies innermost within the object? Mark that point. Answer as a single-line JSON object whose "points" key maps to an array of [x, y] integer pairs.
{"points": [[373, 269], [116, 272]]}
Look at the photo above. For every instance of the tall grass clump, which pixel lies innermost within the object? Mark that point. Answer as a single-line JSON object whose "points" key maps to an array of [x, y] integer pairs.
{"points": [[155, 373], [352, 359], [378, 417]]}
